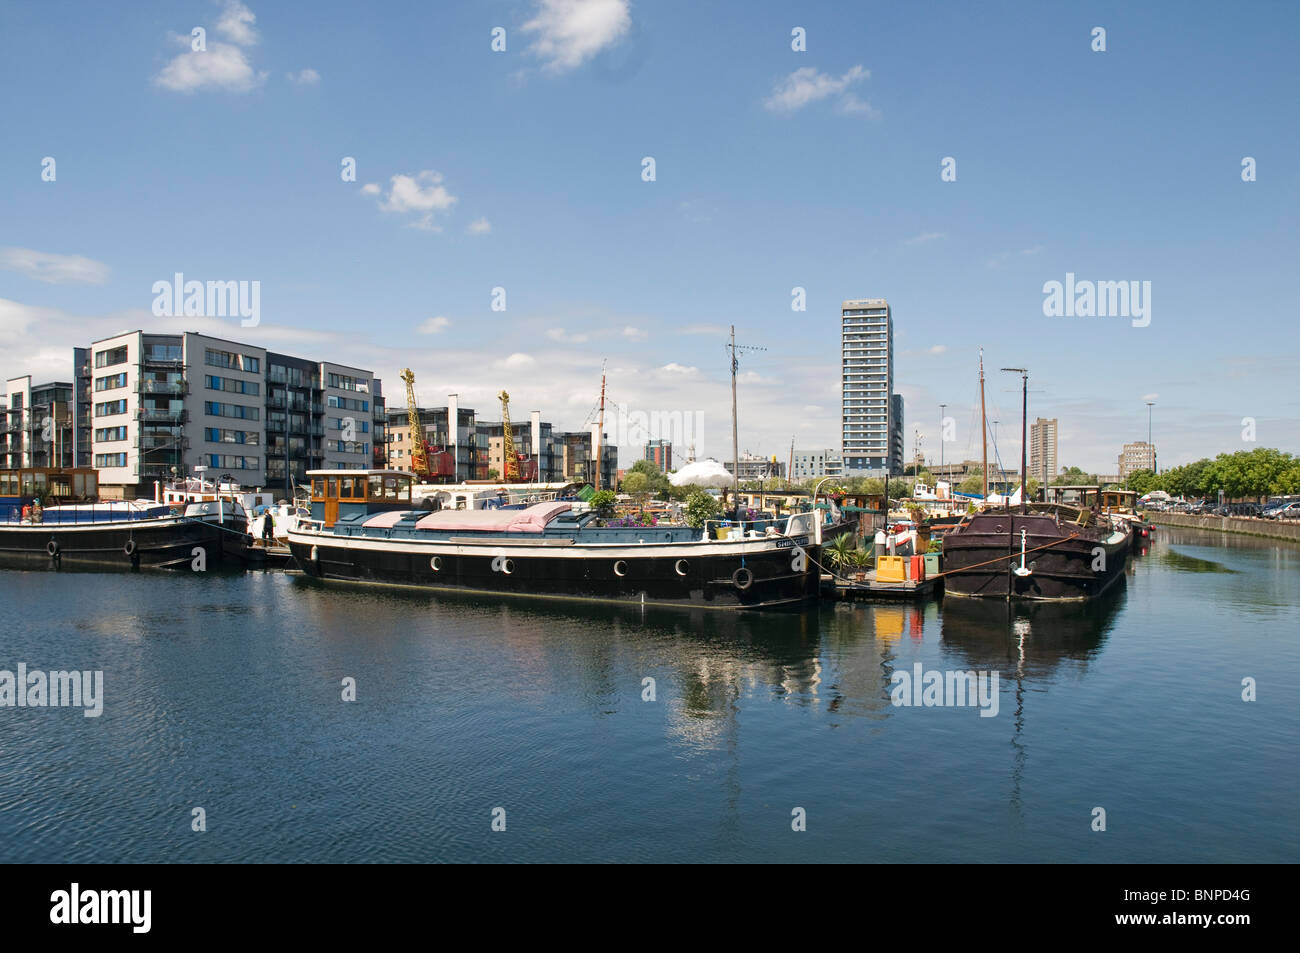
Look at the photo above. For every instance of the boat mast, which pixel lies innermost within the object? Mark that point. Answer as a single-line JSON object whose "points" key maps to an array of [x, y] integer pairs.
{"points": [[735, 443], [1024, 442], [984, 432], [600, 430]]}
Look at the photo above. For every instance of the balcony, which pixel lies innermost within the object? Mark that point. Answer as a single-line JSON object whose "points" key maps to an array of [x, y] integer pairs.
{"points": [[161, 441], [150, 416], [163, 363], [170, 388]]}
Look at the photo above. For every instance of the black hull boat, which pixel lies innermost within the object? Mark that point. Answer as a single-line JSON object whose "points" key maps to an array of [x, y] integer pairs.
{"points": [[1034, 555], [117, 536], [546, 551]]}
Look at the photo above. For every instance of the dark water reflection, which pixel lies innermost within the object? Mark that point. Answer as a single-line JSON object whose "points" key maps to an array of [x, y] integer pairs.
{"points": [[225, 692]]}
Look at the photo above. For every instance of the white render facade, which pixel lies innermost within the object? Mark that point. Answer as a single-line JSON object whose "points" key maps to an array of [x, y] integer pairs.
{"points": [[189, 401], [815, 464]]}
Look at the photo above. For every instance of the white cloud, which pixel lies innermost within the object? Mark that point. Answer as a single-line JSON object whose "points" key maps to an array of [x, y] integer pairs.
{"points": [[434, 325], [923, 238], [220, 67], [807, 85], [674, 368], [236, 23], [1150, 396], [570, 32], [939, 349], [480, 226], [518, 360], [305, 77], [564, 337], [998, 260], [636, 334], [421, 194], [54, 269], [849, 103], [370, 188]]}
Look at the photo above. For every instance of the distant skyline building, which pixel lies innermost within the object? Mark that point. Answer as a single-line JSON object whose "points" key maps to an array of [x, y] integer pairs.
{"points": [[756, 467], [871, 414], [815, 464], [660, 453], [1136, 456], [1042, 450]]}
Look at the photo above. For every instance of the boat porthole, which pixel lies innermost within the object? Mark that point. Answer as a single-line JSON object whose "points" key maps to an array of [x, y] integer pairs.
{"points": [[315, 554], [52, 547], [129, 547], [507, 566], [742, 578], [620, 568], [436, 564], [681, 567]]}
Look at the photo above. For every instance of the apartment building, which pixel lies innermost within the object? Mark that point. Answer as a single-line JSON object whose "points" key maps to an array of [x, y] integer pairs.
{"points": [[39, 424], [815, 464], [1042, 450], [1135, 456], [165, 405], [871, 414]]}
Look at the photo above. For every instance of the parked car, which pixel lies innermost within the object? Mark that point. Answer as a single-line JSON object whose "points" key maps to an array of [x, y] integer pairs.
{"points": [[1287, 511]]}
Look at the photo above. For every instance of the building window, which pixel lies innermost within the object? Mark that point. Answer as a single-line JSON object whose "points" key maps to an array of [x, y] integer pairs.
{"points": [[232, 385], [103, 460], [111, 382], [214, 409], [110, 408], [221, 461], [109, 434], [236, 362], [108, 358]]}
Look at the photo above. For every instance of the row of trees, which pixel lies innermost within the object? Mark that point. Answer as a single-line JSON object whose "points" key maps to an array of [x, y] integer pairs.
{"points": [[1247, 473]]}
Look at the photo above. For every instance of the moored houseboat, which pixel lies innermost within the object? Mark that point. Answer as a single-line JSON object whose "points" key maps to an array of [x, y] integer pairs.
{"points": [[365, 529], [1039, 552], [112, 535]]}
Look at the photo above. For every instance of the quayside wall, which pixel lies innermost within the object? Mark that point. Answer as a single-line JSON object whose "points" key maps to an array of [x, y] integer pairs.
{"points": [[1271, 529]]}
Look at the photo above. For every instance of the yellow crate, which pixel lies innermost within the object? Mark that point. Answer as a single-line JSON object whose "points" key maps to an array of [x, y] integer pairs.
{"points": [[891, 569]]}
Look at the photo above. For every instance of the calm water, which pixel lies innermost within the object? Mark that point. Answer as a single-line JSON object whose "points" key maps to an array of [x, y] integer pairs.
{"points": [[223, 691]]}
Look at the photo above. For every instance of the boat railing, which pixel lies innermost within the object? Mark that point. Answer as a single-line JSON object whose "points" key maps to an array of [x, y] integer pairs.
{"points": [[725, 529], [79, 513]]}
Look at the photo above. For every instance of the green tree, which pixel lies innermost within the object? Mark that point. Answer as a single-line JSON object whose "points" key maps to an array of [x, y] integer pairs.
{"points": [[494, 474], [637, 484], [603, 502], [701, 506], [1074, 476], [657, 480], [1142, 482], [972, 484]]}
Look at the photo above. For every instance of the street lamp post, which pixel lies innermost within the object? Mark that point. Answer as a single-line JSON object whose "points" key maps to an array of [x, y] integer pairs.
{"points": [[942, 416], [1150, 445]]}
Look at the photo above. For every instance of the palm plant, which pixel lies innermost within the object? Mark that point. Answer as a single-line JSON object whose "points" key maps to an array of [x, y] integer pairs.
{"points": [[842, 553]]}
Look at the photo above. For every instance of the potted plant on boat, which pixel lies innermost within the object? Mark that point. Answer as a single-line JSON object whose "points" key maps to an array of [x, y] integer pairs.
{"points": [[841, 554], [862, 560]]}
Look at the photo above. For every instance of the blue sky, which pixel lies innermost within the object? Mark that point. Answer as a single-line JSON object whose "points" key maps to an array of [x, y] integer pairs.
{"points": [[775, 169]]}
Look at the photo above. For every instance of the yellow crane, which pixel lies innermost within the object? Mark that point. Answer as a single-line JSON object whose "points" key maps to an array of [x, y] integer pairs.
{"points": [[419, 449], [510, 462]]}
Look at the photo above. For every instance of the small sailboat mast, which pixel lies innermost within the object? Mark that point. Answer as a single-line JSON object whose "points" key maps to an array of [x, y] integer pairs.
{"points": [[984, 433]]}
